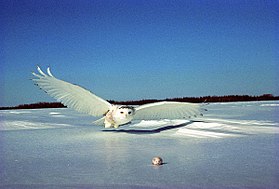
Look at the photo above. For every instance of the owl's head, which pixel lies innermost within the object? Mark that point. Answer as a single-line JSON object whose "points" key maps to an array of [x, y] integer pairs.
{"points": [[124, 112]]}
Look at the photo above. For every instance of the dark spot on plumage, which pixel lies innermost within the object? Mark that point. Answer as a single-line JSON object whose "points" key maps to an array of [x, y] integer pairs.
{"points": [[105, 113]]}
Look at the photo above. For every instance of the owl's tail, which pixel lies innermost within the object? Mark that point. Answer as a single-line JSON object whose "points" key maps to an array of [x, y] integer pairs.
{"points": [[99, 122]]}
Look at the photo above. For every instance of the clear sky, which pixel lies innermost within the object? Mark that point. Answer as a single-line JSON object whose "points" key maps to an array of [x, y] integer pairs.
{"points": [[136, 49]]}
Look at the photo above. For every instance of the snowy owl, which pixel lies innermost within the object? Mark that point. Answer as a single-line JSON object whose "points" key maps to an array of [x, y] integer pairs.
{"points": [[82, 100]]}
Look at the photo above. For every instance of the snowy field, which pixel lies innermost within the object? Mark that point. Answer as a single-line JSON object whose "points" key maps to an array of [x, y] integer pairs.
{"points": [[235, 145]]}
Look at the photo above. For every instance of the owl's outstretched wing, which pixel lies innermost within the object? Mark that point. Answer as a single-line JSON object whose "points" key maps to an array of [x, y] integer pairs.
{"points": [[168, 110], [73, 96]]}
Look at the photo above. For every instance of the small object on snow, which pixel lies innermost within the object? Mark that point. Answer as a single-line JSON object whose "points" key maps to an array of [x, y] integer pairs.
{"points": [[157, 161]]}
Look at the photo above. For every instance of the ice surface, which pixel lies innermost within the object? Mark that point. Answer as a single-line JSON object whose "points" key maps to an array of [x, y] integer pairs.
{"points": [[233, 146]]}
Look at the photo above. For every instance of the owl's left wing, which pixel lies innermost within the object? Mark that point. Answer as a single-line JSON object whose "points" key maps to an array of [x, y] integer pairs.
{"points": [[167, 110]]}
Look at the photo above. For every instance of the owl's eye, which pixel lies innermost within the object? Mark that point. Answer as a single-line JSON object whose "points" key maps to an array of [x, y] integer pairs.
{"points": [[122, 112], [129, 112]]}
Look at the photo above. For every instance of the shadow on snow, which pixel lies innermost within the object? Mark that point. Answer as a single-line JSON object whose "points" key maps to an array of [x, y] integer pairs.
{"points": [[149, 131]]}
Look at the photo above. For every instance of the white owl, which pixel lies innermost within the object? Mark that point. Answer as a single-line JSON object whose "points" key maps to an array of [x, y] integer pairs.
{"points": [[82, 100]]}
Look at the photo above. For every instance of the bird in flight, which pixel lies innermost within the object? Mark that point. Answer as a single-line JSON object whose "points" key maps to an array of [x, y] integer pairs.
{"points": [[113, 115]]}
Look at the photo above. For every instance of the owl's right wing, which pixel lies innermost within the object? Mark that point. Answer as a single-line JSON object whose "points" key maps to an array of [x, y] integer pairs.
{"points": [[72, 96]]}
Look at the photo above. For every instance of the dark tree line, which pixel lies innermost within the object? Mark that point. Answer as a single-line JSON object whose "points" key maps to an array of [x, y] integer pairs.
{"points": [[228, 98], [36, 106]]}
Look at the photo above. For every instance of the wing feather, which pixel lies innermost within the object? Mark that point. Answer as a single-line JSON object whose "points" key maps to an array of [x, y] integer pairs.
{"points": [[167, 110], [73, 96]]}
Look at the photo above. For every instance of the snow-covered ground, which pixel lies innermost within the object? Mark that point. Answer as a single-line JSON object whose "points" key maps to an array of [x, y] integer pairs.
{"points": [[233, 146]]}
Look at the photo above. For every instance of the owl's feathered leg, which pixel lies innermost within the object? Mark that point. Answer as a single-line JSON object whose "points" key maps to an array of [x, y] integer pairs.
{"points": [[108, 124]]}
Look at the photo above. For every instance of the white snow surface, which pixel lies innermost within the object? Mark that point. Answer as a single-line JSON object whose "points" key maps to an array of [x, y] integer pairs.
{"points": [[234, 145]]}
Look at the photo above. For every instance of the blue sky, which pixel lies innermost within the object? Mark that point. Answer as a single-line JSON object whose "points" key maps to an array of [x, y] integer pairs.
{"points": [[127, 50]]}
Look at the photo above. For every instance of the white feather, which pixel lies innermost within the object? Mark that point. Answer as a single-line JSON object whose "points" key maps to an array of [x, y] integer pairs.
{"points": [[167, 110], [49, 72], [40, 71], [73, 96]]}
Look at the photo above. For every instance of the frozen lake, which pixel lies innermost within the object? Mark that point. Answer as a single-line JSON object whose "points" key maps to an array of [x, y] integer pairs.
{"points": [[235, 145]]}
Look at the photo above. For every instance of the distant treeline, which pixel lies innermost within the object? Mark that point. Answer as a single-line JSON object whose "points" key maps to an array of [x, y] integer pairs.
{"points": [[36, 106], [228, 98]]}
